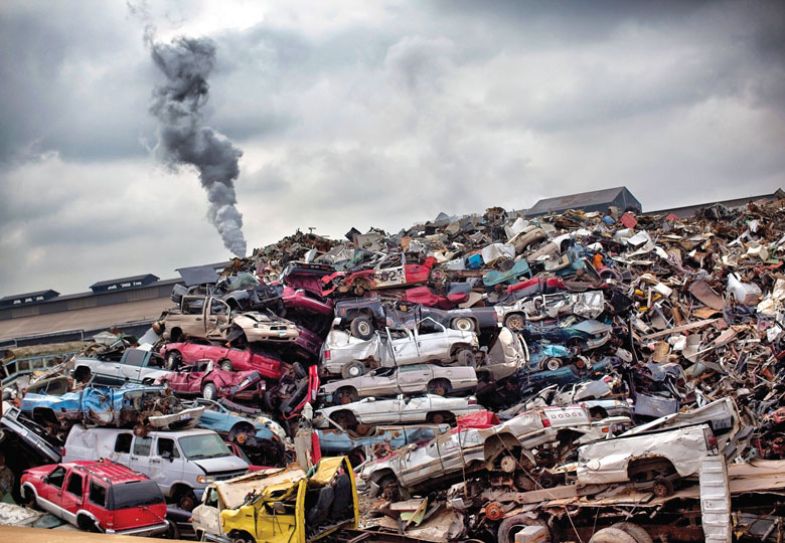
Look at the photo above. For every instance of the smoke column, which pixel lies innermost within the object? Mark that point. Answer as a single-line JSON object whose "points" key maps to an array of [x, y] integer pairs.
{"points": [[183, 137]]}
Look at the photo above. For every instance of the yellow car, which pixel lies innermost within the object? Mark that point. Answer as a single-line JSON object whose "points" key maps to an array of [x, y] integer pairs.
{"points": [[290, 505]]}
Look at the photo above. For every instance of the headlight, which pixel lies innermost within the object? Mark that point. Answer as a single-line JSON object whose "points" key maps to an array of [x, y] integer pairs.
{"points": [[204, 479]]}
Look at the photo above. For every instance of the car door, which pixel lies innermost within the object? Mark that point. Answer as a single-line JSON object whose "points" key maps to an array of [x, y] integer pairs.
{"points": [[166, 461], [139, 459], [415, 409], [404, 347], [432, 340], [414, 378], [131, 368], [420, 464], [217, 318], [71, 497], [191, 321], [381, 382], [51, 491], [121, 449]]}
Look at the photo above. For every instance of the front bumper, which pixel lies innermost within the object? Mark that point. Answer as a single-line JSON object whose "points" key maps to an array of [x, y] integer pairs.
{"points": [[143, 531]]}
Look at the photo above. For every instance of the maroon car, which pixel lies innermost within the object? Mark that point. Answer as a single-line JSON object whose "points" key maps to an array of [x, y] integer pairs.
{"points": [[184, 354], [203, 379]]}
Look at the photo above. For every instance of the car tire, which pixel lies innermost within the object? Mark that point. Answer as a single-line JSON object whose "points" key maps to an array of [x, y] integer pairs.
{"points": [[440, 387], [552, 364], [28, 498], [226, 365], [512, 525], [612, 535], [638, 532], [210, 391], [345, 395], [390, 489], [173, 359], [186, 500], [515, 322], [352, 369], [464, 324], [362, 328]]}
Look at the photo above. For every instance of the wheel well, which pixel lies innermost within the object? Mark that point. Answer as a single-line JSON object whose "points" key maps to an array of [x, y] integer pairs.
{"points": [[85, 521], [495, 445], [459, 347], [639, 468], [346, 388], [381, 474], [175, 333], [179, 489], [241, 534]]}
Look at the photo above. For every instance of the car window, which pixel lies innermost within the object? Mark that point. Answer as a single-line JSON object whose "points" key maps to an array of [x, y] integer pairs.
{"points": [[75, 485], [155, 361], [413, 367], [166, 448], [429, 326], [385, 372], [193, 306], [97, 494], [142, 445], [123, 443], [57, 477], [217, 307], [135, 357]]}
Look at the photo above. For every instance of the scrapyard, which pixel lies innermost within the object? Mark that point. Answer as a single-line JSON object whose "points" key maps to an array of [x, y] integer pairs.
{"points": [[583, 376]]}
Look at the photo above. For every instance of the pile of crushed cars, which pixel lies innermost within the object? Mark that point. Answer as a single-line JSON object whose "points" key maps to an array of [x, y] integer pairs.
{"points": [[588, 377]]}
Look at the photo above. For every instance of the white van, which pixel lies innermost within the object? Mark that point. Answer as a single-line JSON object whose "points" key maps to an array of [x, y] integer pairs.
{"points": [[182, 463]]}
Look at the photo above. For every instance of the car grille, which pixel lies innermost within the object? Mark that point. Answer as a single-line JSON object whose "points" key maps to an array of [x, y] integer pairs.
{"points": [[224, 475]]}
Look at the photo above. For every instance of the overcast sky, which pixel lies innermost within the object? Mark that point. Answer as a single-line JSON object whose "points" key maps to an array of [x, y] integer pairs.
{"points": [[367, 114]]}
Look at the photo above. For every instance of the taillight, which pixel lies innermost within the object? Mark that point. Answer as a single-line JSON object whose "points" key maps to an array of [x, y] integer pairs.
{"points": [[62, 451], [711, 439], [472, 401], [327, 354], [546, 422]]}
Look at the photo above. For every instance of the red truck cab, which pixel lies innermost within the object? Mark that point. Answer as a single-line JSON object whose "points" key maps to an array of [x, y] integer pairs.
{"points": [[97, 496]]}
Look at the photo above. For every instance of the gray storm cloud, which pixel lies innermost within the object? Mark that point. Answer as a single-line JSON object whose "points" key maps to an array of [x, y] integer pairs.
{"points": [[183, 137]]}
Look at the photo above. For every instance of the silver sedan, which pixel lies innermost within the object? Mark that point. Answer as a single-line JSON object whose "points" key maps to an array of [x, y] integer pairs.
{"points": [[414, 379]]}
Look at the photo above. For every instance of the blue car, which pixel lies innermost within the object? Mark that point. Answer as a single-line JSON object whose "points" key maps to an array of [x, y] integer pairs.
{"points": [[125, 407], [531, 382], [549, 356], [260, 437], [335, 442]]}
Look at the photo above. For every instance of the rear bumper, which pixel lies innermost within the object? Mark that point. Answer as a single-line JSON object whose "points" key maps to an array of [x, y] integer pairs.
{"points": [[143, 531]]}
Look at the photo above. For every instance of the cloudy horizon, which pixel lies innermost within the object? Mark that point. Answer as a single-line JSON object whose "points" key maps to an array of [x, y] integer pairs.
{"points": [[358, 114]]}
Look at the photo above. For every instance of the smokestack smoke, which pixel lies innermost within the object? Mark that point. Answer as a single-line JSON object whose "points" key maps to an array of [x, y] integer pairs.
{"points": [[183, 137]]}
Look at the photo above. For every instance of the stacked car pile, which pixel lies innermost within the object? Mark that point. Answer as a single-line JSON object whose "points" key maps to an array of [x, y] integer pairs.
{"points": [[571, 377]]}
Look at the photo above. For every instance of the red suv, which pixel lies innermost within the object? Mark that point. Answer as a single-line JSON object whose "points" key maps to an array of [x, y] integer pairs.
{"points": [[97, 496]]}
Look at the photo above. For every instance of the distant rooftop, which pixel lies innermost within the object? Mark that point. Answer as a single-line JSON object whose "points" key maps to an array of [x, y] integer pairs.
{"points": [[124, 282], [28, 297], [595, 200]]}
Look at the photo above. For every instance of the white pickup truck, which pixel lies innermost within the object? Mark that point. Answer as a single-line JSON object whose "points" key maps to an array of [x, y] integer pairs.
{"points": [[505, 447]]}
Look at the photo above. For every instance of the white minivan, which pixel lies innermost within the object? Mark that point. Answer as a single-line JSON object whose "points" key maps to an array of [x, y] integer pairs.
{"points": [[182, 463]]}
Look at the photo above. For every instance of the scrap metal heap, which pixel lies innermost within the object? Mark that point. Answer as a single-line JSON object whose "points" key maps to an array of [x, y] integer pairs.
{"points": [[574, 377]]}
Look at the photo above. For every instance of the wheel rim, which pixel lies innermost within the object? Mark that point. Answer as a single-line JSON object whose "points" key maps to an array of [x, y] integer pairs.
{"points": [[209, 391], [464, 325], [364, 328], [354, 371], [515, 322], [553, 364], [226, 366]]}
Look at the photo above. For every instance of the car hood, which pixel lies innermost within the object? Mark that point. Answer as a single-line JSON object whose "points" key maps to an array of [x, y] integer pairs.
{"points": [[223, 463]]}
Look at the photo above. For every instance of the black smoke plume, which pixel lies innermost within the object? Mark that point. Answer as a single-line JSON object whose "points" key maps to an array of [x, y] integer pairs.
{"points": [[183, 137]]}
